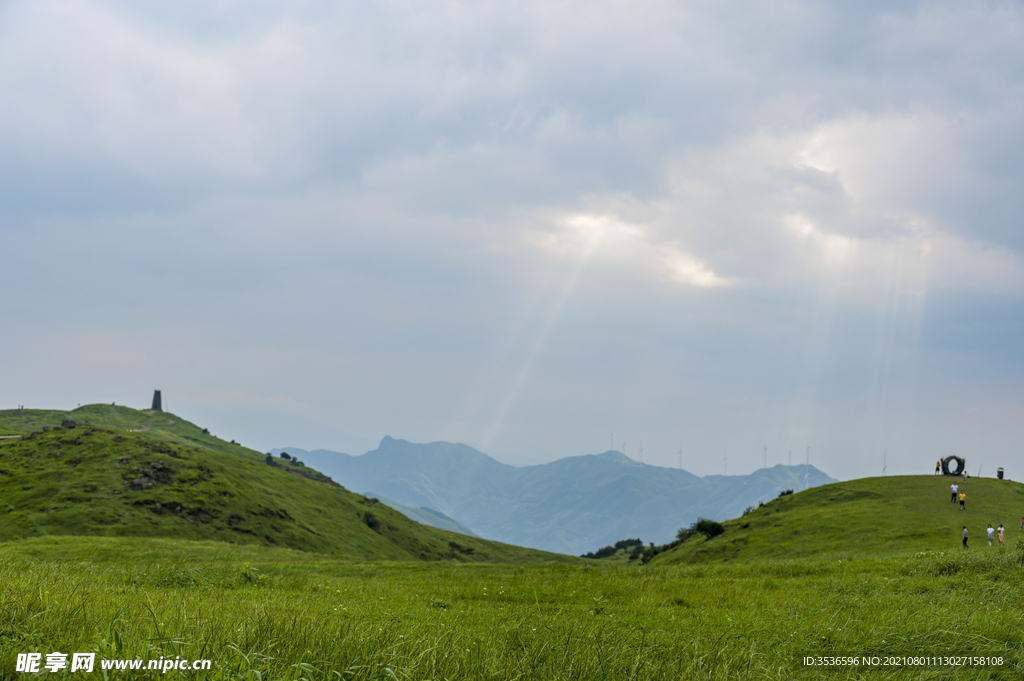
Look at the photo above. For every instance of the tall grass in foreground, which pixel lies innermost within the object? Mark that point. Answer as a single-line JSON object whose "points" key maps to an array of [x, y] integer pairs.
{"points": [[310, 618]]}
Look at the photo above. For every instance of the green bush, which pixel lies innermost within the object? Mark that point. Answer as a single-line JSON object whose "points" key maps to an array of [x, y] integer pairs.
{"points": [[601, 553], [709, 528], [371, 521]]}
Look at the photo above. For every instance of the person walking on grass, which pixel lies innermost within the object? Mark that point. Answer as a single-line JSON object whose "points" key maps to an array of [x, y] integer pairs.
{"points": [[1000, 533], [991, 534], [938, 466], [965, 536], [953, 489], [963, 498]]}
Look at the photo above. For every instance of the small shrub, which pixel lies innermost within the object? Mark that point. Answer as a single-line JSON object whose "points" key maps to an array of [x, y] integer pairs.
{"points": [[459, 548], [371, 521], [709, 528], [785, 493], [250, 575], [607, 551], [601, 553], [286, 455]]}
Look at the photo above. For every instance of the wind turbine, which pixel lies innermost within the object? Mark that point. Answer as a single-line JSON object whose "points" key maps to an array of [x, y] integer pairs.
{"points": [[884, 465]]}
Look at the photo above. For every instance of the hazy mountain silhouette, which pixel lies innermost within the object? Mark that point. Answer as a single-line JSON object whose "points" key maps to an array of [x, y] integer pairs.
{"points": [[423, 515], [572, 505]]}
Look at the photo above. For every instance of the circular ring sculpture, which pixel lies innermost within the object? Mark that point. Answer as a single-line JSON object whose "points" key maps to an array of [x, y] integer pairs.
{"points": [[960, 462]]}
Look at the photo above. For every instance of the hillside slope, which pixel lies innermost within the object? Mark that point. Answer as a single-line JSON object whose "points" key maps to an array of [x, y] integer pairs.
{"points": [[573, 505], [866, 517], [89, 480]]}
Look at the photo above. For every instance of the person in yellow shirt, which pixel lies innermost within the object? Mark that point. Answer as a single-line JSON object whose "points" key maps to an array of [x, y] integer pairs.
{"points": [[938, 466], [963, 497]]}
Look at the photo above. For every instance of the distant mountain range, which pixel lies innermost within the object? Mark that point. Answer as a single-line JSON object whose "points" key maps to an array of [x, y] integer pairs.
{"points": [[572, 505]]}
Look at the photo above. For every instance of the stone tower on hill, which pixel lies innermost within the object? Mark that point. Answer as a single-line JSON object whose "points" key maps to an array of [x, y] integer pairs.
{"points": [[156, 401]]}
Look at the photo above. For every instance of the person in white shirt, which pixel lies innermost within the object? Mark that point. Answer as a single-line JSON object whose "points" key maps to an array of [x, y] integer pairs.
{"points": [[991, 534], [1000, 533], [953, 489]]}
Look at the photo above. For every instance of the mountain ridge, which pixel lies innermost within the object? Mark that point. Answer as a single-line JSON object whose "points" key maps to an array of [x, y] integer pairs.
{"points": [[571, 505]]}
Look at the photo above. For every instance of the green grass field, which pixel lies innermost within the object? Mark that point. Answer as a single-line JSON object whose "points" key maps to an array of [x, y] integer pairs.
{"points": [[265, 613]]}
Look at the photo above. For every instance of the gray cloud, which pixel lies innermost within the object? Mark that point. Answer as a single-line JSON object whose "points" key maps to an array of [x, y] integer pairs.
{"points": [[523, 226]]}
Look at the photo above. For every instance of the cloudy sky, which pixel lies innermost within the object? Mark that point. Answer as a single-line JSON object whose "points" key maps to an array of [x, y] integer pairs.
{"points": [[541, 228]]}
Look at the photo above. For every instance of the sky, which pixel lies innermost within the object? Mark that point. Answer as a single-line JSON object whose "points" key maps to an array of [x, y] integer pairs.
{"points": [[716, 235]]}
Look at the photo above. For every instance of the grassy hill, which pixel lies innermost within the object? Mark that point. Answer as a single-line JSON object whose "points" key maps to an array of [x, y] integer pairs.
{"points": [[90, 480], [161, 425], [866, 517]]}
